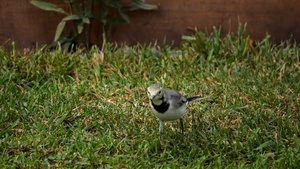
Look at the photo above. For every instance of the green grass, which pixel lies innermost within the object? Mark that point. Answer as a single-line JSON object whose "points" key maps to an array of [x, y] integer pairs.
{"points": [[90, 109]]}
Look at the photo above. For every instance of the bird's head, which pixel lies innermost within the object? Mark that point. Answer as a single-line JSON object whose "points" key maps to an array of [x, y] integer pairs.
{"points": [[156, 94]]}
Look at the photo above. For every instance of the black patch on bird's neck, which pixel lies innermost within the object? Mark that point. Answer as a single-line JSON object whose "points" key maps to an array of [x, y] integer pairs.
{"points": [[162, 108]]}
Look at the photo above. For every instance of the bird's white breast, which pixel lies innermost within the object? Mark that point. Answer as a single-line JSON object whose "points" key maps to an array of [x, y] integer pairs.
{"points": [[171, 114]]}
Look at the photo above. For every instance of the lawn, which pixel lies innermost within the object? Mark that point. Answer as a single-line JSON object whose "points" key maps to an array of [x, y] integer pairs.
{"points": [[89, 109]]}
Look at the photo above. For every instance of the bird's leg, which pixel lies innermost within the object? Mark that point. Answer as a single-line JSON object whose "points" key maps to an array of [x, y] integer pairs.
{"points": [[161, 128], [182, 130]]}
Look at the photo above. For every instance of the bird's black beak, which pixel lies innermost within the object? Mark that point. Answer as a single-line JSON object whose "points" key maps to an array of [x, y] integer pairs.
{"points": [[152, 97]]}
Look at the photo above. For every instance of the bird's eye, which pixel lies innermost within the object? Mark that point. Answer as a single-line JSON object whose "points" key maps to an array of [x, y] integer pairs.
{"points": [[159, 92]]}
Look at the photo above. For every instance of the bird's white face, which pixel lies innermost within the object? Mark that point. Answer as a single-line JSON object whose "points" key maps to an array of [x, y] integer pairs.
{"points": [[155, 94]]}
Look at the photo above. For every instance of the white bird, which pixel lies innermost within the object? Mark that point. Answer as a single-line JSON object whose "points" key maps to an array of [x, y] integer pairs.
{"points": [[168, 105]]}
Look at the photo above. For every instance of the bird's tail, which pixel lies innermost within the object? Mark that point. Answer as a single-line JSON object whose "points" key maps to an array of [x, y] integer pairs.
{"points": [[190, 99]]}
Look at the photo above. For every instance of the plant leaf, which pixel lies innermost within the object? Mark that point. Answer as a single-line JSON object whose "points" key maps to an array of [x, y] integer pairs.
{"points": [[86, 20], [124, 16], [77, 9], [59, 29], [71, 17], [143, 5], [15, 123], [188, 38], [297, 144], [48, 6], [265, 144], [103, 15], [80, 27], [60, 120]]}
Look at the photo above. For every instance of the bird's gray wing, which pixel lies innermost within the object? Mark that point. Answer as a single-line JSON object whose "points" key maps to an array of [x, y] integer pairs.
{"points": [[176, 98]]}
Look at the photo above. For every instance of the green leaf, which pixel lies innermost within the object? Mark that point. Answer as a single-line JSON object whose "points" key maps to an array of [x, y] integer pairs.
{"points": [[103, 15], [15, 123], [60, 120], [210, 54], [142, 5], [265, 144], [86, 20], [188, 38], [48, 6], [77, 9], [80, 27], [72, 34], [71, 17], [124, 139], [59, 29], [88, 7], [124, 16], [297, 144]]}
